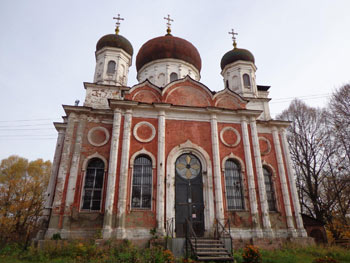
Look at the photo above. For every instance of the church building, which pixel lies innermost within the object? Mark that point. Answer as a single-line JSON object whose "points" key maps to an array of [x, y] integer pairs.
{"points": [[170, 150]]}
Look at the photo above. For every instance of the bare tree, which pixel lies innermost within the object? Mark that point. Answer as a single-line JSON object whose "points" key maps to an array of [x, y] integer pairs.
{"points": [[309, 139]]}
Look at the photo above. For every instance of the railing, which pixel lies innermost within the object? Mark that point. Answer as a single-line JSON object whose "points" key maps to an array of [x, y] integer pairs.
{"points": [[222, 233], [190, 234], [169, 227]]}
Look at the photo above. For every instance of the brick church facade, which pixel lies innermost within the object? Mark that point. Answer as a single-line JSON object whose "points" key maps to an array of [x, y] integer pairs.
{"points": [[169, 149]]}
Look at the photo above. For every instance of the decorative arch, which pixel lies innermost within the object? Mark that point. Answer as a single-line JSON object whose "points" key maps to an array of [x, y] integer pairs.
{"points": [[95, 155], [234, 157], [204, 158], [145, 152]]}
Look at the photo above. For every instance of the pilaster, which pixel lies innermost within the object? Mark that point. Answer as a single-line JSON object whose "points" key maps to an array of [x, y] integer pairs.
{"points": [[295, 198], [160, 171], [112, 171], [282, 174], [251, 182], [124, 169], [216, 168], [261, 182]]}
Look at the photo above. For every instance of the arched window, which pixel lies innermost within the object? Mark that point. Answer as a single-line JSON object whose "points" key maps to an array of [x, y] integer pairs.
{"points": [[270, 193], [246, 81], [233, 183], [142, 183], [92, 192], [173, 76], [226, 84], [111, 67]]}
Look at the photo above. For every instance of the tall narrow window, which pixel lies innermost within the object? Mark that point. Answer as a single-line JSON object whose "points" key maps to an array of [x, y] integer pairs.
{"points": [[246, 81], [111, 67], [92, 192], [173, 76], [142, 183], [270, 193], [226, 84], [233, 183]]}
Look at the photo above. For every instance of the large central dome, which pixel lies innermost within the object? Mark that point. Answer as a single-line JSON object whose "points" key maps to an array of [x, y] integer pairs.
{"points": [[168, 46]]}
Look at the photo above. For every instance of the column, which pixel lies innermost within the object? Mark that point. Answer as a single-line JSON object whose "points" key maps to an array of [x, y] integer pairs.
{"points": [[160, 171], [65, 160], [261, 182], [250, 176], [123, 178], [216, 166], [50, 192], [112, 171], [295, 197], [282, 174], [73, 173]]}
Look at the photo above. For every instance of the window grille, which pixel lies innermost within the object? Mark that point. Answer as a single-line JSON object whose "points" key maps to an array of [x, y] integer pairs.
{"points": [[93, 185], [233, 183], [270, 193], [142, 183]]}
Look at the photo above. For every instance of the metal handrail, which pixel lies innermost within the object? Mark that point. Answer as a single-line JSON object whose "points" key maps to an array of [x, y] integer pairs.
{"points": [[169, 226], [219, 234], [190, 235]]}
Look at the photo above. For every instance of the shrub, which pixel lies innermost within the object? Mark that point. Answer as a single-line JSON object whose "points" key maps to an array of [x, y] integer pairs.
{"points": [[251, 254]]}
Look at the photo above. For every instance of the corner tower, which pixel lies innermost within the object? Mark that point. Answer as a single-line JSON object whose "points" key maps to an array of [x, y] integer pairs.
{"points": [[238, 69], [113, 58]]}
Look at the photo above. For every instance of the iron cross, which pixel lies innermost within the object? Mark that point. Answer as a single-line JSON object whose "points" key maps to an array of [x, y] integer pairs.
{"points": [[233, 33], [118, 18], [169, 20]]}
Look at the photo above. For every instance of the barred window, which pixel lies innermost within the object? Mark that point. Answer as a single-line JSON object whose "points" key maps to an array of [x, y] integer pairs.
{"points": [[92, 192], [233, 183], [246, 81], [270, 193], [111, 67], [142, 183]]}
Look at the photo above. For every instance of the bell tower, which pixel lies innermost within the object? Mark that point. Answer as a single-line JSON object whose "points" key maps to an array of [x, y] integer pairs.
{"points": [[113, 58]]}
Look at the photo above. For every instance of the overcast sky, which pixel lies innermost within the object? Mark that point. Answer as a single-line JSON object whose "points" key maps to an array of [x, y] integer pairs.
{"points": [[301, 49]]}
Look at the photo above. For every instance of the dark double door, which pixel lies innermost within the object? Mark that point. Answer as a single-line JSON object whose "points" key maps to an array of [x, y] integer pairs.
{"points": [[188, 195]]}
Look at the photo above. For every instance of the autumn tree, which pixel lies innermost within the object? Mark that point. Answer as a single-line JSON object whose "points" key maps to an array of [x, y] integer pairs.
{"points": [[22, 187]]}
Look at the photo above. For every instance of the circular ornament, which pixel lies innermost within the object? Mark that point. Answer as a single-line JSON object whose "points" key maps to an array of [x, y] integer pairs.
{"points": [[144, 131], [265, 146], [230, 136], [188, 166], [98, 136]]}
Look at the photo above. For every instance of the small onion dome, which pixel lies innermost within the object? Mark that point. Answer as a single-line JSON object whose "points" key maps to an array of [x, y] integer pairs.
{"points": [[168, 46], [114, 40], [235, 55]]}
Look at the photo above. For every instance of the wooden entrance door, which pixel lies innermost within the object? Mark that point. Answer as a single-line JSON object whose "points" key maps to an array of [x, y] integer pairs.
{"points": [[188, 195]]}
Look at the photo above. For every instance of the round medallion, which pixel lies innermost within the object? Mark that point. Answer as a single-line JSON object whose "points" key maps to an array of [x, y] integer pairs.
{"points": [[265, 146], [98, 136], [144, 131], [230, 136], [188, 166]]}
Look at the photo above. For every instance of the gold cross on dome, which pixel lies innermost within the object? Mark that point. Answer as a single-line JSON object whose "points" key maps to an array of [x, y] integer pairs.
{"points": [[233, 33], [118, 18], [168, 23]]}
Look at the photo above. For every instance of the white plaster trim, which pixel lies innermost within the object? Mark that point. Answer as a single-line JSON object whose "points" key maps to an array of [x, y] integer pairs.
{"points": [[208, 198], [268, 145], [95, 129], [229, 93], [238, 140], [147, 124], [234, 157], [95, 155], [144, 152]]}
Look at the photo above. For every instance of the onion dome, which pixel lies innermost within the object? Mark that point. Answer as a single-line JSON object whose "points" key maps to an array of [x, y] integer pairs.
{"points": [[168, 46], [235, 55], [117, 41]]}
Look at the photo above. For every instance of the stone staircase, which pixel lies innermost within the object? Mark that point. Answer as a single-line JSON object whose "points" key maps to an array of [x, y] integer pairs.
{"points": [[213, 250]]}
